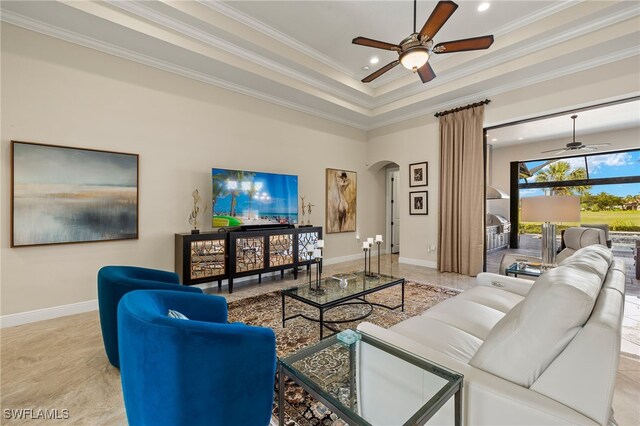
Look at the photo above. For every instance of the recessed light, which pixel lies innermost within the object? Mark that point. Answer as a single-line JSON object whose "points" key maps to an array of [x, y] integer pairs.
{"points": [[520, 139], [374, 60], [494, 140], [483, 6], [365, 68]]}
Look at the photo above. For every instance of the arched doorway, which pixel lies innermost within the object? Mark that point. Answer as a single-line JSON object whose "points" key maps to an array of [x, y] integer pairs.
{"points": [[391, 172]]}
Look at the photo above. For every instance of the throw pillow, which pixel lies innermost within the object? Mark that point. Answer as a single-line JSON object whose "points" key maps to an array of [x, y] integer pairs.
{"points": [[176, 314]]}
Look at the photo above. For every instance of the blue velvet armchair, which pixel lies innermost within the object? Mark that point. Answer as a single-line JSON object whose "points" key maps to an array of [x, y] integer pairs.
{"points": [[195, 371], [113, 283]]}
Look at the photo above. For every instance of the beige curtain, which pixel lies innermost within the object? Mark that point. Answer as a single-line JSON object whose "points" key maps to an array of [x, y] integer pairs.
{"points": [[461, 221]]}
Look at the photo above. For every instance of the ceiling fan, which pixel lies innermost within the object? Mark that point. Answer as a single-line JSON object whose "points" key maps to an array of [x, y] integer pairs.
{"points": [[414, 50], [574, 145]]}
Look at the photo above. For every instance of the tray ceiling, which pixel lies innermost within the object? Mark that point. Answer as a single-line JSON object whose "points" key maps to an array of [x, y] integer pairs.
{"points": [[299, 53]]}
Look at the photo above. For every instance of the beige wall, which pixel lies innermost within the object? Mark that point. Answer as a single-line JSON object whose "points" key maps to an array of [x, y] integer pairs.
{"points": [[406, 144], [417, 140], [59, 93], [504, 155]]}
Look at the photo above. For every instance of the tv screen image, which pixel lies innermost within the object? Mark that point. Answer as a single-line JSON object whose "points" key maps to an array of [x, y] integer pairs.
{"points": [[241, 197]]}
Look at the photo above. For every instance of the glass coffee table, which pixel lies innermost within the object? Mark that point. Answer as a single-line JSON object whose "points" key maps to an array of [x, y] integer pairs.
{"points": [[348, 289], [528, 270], [371, 382]]}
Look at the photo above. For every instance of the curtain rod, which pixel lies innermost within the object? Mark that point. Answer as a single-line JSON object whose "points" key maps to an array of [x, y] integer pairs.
{"points": [[449, 111]]}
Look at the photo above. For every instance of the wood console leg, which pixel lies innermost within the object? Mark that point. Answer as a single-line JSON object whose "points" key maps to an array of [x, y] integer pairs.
{"points": [[230, 285]]}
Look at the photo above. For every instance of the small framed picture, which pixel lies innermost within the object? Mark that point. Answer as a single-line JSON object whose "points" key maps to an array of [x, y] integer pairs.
{"points": [[418, 174], [418, 203]]}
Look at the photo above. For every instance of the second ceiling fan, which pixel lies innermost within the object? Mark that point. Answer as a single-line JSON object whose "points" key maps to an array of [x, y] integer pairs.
{"points": [[414, 50]]}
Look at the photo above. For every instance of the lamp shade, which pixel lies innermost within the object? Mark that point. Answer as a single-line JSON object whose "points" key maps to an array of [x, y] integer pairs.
{"points": [[554, 208]]}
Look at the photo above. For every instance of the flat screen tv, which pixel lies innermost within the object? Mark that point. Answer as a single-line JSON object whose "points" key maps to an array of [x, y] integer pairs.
{"points": [[241, 197]]}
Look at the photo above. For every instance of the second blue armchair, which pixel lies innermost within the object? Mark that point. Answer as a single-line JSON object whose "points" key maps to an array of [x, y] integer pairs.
{"points": [[195, 371]]}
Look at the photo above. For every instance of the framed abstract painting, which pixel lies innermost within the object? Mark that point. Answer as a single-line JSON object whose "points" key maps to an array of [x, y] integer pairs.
{"points": [[341, 196], [62, 194]]}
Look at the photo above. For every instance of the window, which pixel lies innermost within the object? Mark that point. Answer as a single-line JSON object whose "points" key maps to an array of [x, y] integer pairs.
{"points": [[608, 185]]}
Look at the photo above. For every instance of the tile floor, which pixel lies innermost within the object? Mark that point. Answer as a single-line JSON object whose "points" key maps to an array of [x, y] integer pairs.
{"points": [[60, 363]]}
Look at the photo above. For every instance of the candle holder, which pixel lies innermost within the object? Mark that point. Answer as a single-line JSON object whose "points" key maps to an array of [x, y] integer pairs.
{"points": [[365, 249], [309, 251], [316, 258], [378, 243], [368, 272]]}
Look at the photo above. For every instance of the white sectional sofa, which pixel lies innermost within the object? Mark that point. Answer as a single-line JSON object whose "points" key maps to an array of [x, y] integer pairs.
{"points": [[541, 352]]}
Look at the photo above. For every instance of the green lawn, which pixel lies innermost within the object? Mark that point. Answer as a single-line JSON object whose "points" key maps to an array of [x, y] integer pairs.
{"points": [[618, 220], [632, 216]]}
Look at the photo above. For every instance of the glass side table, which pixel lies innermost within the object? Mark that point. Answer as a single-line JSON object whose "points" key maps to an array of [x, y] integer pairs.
{"points": [[371, 382], [528, 270]]}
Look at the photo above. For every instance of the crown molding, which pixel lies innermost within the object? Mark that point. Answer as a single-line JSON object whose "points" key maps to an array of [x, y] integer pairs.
{"points": [[156, 17], [555, 7], [499, 58], [82, 40], [540, 78], [265, 29], [371, 122]]}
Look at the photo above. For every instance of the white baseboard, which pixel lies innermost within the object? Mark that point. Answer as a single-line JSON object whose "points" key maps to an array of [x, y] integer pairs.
{"points": [[419, 262], [21, 318], [12, 320]]}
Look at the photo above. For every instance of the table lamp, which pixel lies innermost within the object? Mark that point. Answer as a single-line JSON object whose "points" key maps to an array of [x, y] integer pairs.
{"points": [[550, 209]]}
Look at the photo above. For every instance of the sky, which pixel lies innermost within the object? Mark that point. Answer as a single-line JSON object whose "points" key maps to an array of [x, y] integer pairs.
{"points": [[275, 193], [620, 164], [42, 164]]}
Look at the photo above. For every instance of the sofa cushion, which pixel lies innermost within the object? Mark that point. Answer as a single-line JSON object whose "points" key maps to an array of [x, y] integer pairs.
{"points": [[594, 258], [457, 326], [530, 336], [492, 297], [466, 315], [439, 336]]}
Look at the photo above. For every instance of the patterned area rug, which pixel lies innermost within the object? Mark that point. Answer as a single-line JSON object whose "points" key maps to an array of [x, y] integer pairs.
{"points": [[266, 310]]}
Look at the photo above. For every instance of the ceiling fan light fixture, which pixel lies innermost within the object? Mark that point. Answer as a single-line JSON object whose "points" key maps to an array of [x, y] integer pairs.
{"points": [[414, 58]]}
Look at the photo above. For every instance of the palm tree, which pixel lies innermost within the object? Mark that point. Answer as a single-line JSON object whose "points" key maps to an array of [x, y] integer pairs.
{"points": [[217, 190], [237, 176], [561, 171], [251, 192]]}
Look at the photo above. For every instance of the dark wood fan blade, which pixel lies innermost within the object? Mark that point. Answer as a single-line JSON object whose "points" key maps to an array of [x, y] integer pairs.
{"points": [[381, 71], [426, 73], [475, 43], [437, 19], [369, 42]]}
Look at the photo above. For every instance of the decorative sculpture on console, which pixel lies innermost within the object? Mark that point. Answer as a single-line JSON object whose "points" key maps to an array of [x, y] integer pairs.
{"points": [[309, 211], [195, 211], [303, 205]]}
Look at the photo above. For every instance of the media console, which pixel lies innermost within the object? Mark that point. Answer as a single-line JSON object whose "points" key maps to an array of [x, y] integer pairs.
{"points": [[226, 255]]}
